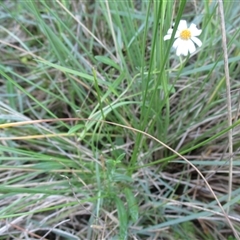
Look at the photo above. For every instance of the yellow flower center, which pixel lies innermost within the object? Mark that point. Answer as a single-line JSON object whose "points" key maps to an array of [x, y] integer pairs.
{"points": [[185, 34]]}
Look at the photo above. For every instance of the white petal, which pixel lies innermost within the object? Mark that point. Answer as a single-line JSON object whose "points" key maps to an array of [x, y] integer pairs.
{"points": [[194, 31], [191, 46], [182, 48], [177, 43], [170, 31], [167, 37], [197, 41], [193, 25], [177, 34], [182, 25]]}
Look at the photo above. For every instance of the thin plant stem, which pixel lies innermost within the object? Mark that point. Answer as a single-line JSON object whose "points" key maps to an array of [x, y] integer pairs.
{"points": [[228, 93]]}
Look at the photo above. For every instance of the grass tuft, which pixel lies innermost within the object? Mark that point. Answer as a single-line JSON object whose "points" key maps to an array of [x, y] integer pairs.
{"points": [[106, 133]]}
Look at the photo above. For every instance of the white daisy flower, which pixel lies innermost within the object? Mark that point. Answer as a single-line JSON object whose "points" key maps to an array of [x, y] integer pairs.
{"points": [[185, 38]]}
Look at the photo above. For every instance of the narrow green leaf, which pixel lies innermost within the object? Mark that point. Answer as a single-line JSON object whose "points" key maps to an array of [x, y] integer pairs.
{"points": [[107, 61], [132, 204], [120, 157], [122, 217], [75, 128]]}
